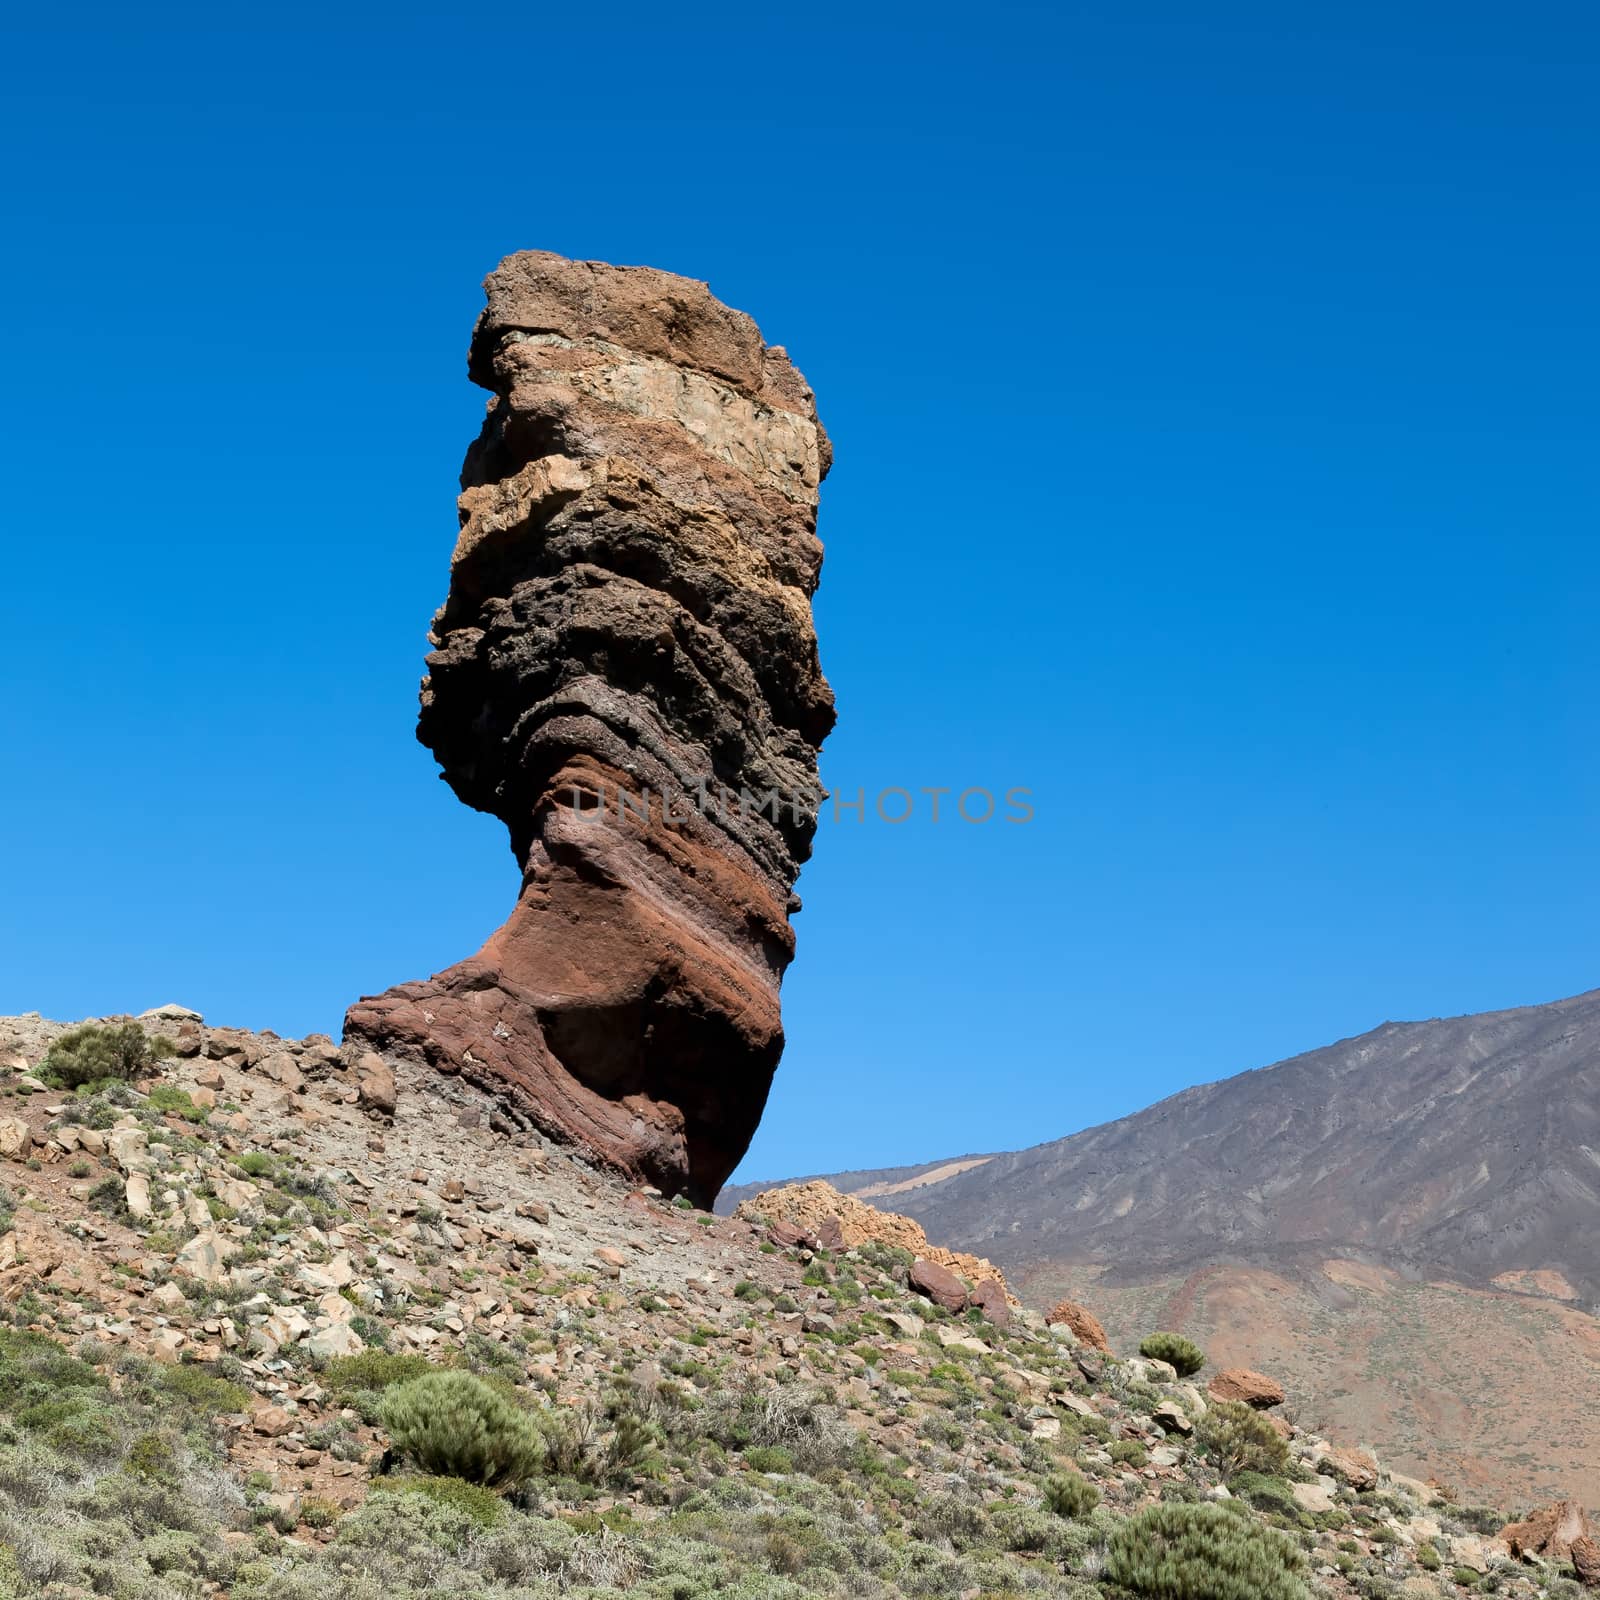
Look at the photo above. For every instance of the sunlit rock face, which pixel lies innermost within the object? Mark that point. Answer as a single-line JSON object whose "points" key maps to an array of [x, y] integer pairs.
{"points": [[626, 649]]}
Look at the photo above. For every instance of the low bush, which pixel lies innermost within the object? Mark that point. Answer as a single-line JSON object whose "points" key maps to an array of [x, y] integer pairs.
{"points": [[1069, 1495], [454, 1425], [1180, 1353], [91, 1054], [483, 1506], [1241, 1440], [372, 1372], [1204, 1552]]}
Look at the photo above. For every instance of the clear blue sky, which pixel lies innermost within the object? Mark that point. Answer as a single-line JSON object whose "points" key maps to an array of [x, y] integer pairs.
{"points": [[1214, 395]]}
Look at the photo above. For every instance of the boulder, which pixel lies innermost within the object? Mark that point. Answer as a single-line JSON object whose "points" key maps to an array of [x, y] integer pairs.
{"points": [[1170, 1417], [128, 1147], [171, 1012], [206, 1256], [1082, 1324], [1354, 1467], [1313, 1497], [1249, 1388], [626, 645], [938, 1284], [16, 1138], [990, 1298], [375, 1086], [1585, 1555]]}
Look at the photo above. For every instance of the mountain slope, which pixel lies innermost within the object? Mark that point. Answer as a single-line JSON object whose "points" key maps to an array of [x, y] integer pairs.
{"points": [[1469, 1145]]}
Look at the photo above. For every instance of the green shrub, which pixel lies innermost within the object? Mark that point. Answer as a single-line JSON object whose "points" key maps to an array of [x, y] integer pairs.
{"points": [[372, 1372], [1070, 1495], [484, 1506], [1204, 1552], [170, 1099], [1266, 1494], [1183, 1354], [769, 1458], [34, 1369], [91, 1054], [1241, 1440], [1428, 1557], [1129, 1453], [209, 1394], [454, 1425]]}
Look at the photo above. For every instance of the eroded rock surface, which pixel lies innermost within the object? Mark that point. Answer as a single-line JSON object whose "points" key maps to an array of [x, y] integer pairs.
{"points": [[626, 649]]}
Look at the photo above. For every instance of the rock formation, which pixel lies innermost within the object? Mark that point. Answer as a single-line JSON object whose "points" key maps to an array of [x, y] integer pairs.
{"points": [[625, 673], [817, 1213]]}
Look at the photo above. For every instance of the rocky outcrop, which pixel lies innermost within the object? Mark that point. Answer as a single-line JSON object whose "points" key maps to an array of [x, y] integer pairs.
{"points": [[625, 673], [1550, 1532], [818, 1212]]}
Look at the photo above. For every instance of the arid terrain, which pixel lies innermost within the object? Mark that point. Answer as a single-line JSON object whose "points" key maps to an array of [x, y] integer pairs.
{"points": [[216, 1270], [1400, 1225]]}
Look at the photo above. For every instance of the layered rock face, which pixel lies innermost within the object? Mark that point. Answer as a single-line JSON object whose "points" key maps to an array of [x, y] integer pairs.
{"points": [[626, 648]]}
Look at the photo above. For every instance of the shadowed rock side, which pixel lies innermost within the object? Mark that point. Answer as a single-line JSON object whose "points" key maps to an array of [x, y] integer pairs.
{"points": [[629, 614]]}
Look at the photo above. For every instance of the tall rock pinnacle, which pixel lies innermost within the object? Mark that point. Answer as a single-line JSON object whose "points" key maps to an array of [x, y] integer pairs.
{"points": [[625, 651]]}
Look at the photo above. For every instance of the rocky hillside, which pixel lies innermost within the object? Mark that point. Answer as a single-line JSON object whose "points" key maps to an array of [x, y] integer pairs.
{"points": [[1347, 1215], [221, 1265]]}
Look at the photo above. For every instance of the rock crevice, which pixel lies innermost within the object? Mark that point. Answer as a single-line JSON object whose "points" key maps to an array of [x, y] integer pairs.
{"points": [[626, 649]]}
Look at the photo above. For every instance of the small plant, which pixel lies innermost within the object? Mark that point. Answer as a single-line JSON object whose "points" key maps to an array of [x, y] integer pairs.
{"points": [[483, 1506], [1184, 1355], [92, 1054], [1241, 1440], [317, 1511], [1204, 1552], [454, 1425], [169, 1099], [1069, 1495], [80, 1169], [372, 1372], [769, 1458]]}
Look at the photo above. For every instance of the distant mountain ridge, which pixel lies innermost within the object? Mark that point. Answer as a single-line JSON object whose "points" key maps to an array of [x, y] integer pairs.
{"points": [[1467, 1144]]}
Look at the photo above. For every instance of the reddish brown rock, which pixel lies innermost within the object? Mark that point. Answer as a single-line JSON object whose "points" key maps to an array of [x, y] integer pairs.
{"points": [[1550, 1532], [1354, 1467], [1586, 1561], [375, 1084], [1250, 1388], [939, 1284], [990, 1298], [1083, 1324], [625, 651]]}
